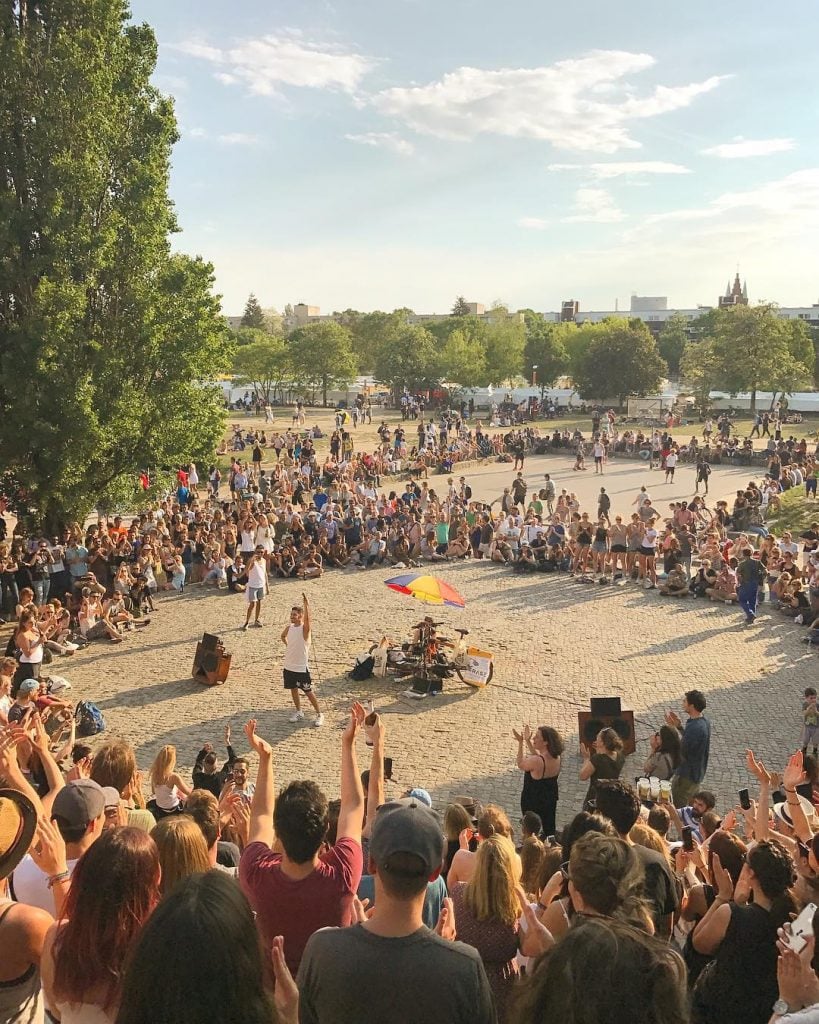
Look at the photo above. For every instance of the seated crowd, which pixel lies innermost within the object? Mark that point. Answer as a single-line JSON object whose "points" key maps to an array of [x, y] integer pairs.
{"points": [[226, 899]]}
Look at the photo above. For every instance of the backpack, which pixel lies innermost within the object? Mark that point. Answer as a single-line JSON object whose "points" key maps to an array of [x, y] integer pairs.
{"points": [[89, 718], [362, 669], [467, 492]]}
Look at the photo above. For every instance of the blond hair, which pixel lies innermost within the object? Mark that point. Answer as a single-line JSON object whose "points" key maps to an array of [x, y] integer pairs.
{"points": [[492, 892], [164, 764], [531, 860], [182, 850]]}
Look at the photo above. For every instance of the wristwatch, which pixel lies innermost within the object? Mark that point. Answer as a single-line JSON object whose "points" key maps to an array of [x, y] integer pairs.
{"points": [[780, 1008]]}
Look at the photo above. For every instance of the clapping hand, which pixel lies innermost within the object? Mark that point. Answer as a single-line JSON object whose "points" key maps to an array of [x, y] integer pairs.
{"points": [[48, 849], [518, 735], [673, 719], [286, 994], [357, 716], [722, 882], [445, 926], [262, 747], [757, 768], [794, 774]]}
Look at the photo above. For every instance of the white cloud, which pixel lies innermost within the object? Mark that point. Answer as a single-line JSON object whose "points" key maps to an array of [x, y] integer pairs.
{"points": [[266, 64], [532, 223], [626, 167], [594, 205], [582, 104], [384, 140], [197, 133], [238, 139], [741, 148]]}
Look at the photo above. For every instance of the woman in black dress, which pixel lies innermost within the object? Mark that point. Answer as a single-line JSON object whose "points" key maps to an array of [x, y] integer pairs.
{"points": [[604, 761], [540, 763]]}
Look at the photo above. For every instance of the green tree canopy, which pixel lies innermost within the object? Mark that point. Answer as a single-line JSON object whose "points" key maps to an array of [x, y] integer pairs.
{"points": [[672, 341], [461, 307], [409, 361], [621, 359], [107, 339], [463, 360], [751, 349], [253, 315], [263, 362], [504, 350], [321, 356], [544, 348]]}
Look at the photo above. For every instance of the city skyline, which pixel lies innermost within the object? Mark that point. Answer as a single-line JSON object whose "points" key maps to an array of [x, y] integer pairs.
{"points": [[379, 153]]}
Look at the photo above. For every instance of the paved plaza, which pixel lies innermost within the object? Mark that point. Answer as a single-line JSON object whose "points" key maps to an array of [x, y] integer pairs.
{"points": [[556, 644]]}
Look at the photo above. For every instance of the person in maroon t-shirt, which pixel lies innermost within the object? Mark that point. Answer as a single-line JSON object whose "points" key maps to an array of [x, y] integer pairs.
{"points": [[296, 892]]}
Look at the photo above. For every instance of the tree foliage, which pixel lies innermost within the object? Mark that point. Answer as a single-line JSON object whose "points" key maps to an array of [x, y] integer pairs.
{"points": [[544, 348], [410, 361], [621, 359], [672, 341], [263, 362], [321, 356], [461, 307], [750, 349], [106, 337], [253, 315]]}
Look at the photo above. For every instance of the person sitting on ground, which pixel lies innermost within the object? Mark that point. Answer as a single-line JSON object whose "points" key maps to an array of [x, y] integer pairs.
{"points": [[182, 850], [168, 787], [676, 583], [725, 585]]}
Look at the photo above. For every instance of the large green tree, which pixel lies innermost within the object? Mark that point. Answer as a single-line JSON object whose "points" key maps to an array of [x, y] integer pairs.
{"points": [[543, 349], [321, 356], [107, 339], [621, 359], [751, 349], [410, 361], [672, 341], [505, 339], [263, 362]]}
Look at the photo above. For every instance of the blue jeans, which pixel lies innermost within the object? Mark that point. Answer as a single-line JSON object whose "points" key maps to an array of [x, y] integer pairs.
{"points": [[41, 589], [747, 596]]}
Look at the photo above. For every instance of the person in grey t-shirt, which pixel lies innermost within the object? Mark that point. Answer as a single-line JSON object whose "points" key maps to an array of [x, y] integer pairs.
{"points": [[391, 967]]}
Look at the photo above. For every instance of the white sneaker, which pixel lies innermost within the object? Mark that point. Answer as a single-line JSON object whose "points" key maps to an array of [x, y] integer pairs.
{"points": [[71, 647], [297, 716], [318, 721]]}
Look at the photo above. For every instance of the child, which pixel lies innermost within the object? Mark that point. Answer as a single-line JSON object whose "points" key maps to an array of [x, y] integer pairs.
{"points": [[810, 730]]}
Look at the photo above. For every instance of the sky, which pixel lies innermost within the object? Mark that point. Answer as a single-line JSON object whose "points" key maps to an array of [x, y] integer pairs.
{"points": [[372, 154]]}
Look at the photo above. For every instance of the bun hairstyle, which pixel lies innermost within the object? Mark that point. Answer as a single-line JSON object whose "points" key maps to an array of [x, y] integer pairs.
{"points": [[773, 869], [494, 821], [606, 872]]}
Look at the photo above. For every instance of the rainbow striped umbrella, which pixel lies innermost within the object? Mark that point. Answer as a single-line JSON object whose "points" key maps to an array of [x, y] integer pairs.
{"points": [[428, 589]]}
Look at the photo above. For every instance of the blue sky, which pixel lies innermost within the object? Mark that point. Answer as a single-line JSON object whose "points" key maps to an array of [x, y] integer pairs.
{"points": [[380, 153]]}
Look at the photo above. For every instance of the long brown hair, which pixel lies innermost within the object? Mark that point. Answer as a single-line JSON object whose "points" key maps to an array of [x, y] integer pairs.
{"points": [[114, 888]]}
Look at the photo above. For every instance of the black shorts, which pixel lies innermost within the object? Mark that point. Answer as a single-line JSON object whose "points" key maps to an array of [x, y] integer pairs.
{"points": [[297, 680], [618, 549], [647, 552]]}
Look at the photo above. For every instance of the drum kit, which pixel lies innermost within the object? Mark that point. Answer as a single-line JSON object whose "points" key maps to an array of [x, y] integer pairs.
{"points": [[427, 658]]}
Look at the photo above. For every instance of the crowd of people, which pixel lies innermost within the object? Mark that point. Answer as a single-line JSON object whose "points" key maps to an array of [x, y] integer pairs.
{"points": [[224, 898], [175, 898]]}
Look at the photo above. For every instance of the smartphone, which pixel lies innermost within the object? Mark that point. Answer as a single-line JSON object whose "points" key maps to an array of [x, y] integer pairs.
{"points": [[801, 929], [745, 800], [551, 840], [687, 838]]}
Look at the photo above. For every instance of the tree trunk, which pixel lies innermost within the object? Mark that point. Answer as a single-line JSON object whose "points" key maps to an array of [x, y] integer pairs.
{"points": [[773, 400], [324, 391], [753, 401]]}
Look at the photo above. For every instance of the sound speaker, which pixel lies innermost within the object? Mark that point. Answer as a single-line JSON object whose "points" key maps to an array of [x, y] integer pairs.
{"points": [[589, 725], [605, 705], [211, 664]]}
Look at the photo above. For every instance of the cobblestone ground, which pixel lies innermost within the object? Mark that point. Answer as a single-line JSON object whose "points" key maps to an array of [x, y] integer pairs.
{"points": [[556, 644]]}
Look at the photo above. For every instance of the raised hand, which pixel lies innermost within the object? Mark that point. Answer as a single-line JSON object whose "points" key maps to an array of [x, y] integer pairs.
{"points": [[518, 735], [445, 926], [794, 774], [757, 768], [48, 849], [673, 719], [262, 747], [723, 882], [286, 994], [357, 716]]}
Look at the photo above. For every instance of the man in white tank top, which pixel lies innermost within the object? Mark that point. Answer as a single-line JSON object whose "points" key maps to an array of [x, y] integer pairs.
{"points": [[296, 637], [256, 585]]}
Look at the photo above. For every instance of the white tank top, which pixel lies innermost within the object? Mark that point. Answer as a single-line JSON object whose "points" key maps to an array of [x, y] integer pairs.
{"points": [[167, 797], [35, 658], [297, 652]]}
